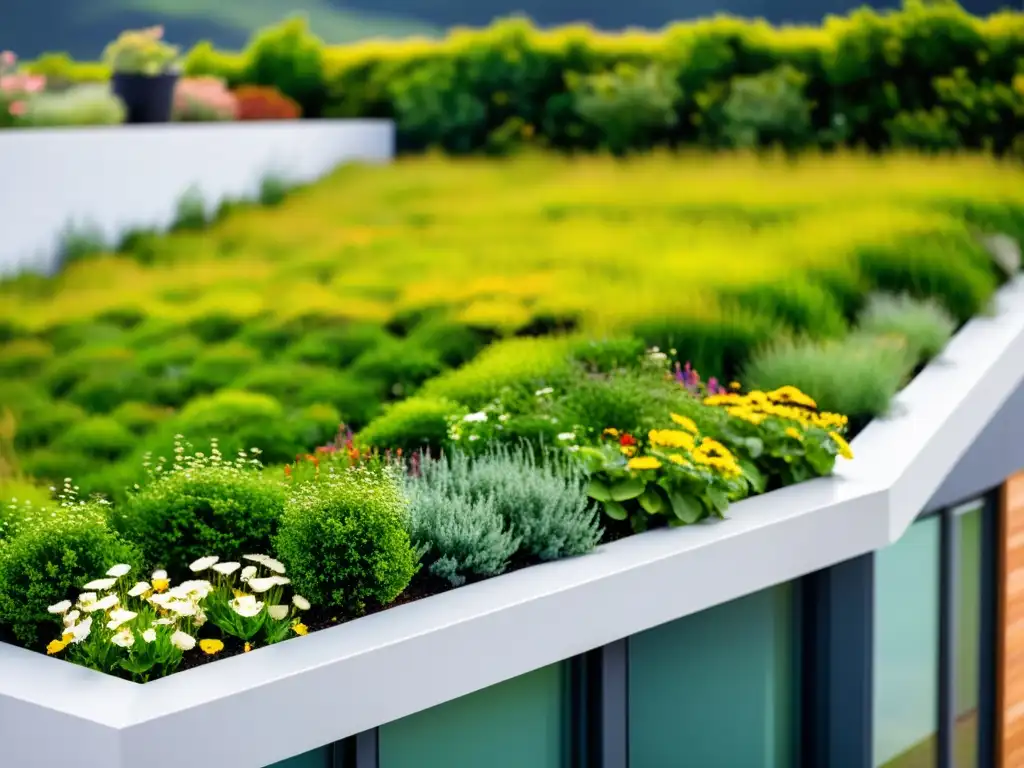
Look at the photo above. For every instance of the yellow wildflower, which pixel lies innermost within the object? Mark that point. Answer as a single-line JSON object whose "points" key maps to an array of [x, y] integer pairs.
{"points": [[210, 647], [686, 423], [644, 462], [611, 432], [714, 448], [746, 414], [791, 395], [671, 438], [734, 385], [628, 450], [300, 629], [161, 585], [56, 646], [795, 433], [729, 398], [842, 445], [679, 459], [248, 647]]}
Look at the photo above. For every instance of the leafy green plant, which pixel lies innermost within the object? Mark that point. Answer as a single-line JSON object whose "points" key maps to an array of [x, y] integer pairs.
{"points": [[100, 437], [344, 539], [49, 557], [924, 324], [273, 190], [410, 425], [856, 376], [631, 106], [456, 526], [191, 212], [199, 503], [141, 52], [768, 108], [289, 57], [79, 241], [91, 104]]}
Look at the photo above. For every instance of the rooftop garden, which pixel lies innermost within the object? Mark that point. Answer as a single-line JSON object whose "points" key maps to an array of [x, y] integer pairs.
{"points": [[402, 380]]}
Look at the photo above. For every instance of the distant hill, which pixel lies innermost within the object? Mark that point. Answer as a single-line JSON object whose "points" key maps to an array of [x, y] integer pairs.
{"points": [[83, 27]]}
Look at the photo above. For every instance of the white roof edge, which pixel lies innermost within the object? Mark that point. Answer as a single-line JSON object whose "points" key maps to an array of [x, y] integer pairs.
{"points": [[346, 679]]}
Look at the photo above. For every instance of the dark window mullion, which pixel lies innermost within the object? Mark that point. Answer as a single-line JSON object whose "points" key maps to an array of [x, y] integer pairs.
{"points": [[991, 556], [948, 583]]}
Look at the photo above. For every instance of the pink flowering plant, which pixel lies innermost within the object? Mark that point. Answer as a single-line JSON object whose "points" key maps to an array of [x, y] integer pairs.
{"points": [[16, 88], [204, 99]]}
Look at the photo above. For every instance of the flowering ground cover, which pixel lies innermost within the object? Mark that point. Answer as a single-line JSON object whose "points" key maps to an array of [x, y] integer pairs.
{"points": [[512, 349]]}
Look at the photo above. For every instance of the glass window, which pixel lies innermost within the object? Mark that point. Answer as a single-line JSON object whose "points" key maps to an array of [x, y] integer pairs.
{"points": [[519, 723], [717, 689], [318, 758], [906, 674], [967, 653]]}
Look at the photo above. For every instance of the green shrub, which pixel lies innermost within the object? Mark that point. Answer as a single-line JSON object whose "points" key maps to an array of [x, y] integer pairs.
{"points": [[805, 306], [525, 364], [856, 376], [345, 542], [40, 420], [632, 107], [103, 390], [200, 505], [49, 560], [191, 211], [290, 58], [923, 129], [22, 358], [411, 425], [400, 367], [216, 326], [75, 366], [218, 366], [52, 466], [459, 530], [139, 418], [357, 399], [608, 354], [454, 343], [544, 501], [91, 104], [437, 108], [170, 355], [100, 438], [273, 190], [336, 346], [951, 266], [767, 109], [78, 241], [924, 324]]}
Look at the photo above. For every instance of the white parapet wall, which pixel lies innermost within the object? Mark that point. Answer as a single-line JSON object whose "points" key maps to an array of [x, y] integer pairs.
{"points": [[114, 179]]}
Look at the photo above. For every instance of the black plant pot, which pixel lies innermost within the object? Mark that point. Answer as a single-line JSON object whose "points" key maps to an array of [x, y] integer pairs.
{"points": [[147, 98]]}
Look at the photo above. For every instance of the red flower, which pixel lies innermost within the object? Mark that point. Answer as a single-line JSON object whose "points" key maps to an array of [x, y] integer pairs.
{"points": [[627, 439]]}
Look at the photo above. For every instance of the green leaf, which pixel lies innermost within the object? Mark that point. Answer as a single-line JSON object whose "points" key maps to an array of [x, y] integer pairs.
{"points": [[653, 501], [686, 508], [593, 460], [615, 511], [755, 446], [754, 476], [718, 500], [627, 489], [599, 490]]}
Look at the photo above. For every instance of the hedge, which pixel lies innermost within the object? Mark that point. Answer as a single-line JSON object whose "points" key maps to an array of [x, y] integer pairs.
{"points": [[931, 77]]}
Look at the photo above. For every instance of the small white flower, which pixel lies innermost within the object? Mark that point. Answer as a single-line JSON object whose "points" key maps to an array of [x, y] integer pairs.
{"points": [[86, 598], [198, 588], [203, 563], [159, 575], [566, 436], [262, 585], [226, 569], [100, 584], [274, 565], [102, 604], [183, 641], [161, 599], [119, 570], [246, 606], [278, 612], [503, 418], [140, 589], [300, 602], [62, 607], [71, 617], [149, 635], [248, 572], [473, 438], [478, 416], [182, 607], [125, 639], [119, 617], [80, 631], [254, 558], [164, 622]]}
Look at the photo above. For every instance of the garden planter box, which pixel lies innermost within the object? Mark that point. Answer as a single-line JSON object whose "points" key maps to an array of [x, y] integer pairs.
{"points": [[147, 98], [937, 447], [132, 177]]}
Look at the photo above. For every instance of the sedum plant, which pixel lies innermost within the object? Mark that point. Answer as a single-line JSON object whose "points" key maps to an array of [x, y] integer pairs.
{"points": [[924, 324], [87, 104], [141, 52]]}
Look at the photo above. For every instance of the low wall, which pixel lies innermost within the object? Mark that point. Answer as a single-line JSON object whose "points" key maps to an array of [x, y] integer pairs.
{"points": [[115, 179]]}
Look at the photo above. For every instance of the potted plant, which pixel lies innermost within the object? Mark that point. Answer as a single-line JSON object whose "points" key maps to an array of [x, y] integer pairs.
{"points": [[144, 74]]}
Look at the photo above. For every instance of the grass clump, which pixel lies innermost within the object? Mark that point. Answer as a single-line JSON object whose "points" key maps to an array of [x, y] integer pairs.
{"points": [[924, 324], [411, 425], [198, 504], [344, 539], [856, 376]]}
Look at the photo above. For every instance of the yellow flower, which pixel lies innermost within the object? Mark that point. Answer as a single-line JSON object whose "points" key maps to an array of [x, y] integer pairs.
{"points": [[56, 646], [248, 647], [714, 448], [795, 433], [300, 629], [842, 445], [746, 414], [730, 398], [628, 450], [671, 438], [791, 395], [644, 462], [210, 647], [160, 585], [676, 458], [611, 432], [688, 424], [734, 385]]}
